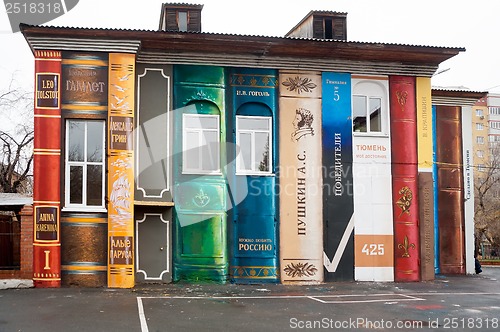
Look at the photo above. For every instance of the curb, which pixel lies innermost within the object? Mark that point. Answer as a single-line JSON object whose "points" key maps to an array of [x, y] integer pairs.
{"points": [[16, 283]]}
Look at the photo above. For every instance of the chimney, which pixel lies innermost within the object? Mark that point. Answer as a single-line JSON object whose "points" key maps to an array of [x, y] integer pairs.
{"points": [[321, 25], [180, 17]]}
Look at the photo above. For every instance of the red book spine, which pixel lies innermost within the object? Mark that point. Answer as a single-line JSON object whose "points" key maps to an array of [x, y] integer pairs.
{"points": [[404, 178], [46, 170]]}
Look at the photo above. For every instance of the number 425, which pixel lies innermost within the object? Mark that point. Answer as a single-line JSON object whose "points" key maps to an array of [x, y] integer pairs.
{"points": [[373, 249]]}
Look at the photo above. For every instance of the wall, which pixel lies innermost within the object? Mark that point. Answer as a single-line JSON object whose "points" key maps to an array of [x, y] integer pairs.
{"points": [[26, 270]]}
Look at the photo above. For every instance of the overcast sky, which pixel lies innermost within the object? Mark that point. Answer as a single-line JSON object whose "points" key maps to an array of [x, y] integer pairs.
{"points": [[473, 25]]}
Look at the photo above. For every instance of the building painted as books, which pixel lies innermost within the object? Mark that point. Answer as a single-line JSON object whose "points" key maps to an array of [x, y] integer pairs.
{"points": [[180, 155]]}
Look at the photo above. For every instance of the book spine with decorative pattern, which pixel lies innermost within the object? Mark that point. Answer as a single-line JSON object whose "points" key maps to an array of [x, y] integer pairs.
{"points": [[46, 170], [404, 178], [121, 170], [201, 197], [301, 213], [253, 240]]}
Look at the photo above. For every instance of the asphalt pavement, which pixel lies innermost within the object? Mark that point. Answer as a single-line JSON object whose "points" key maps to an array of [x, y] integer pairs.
{"points": [[458, 303]]}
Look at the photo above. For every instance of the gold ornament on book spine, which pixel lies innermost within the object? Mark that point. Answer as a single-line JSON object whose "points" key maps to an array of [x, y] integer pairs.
{"points": [[402, 96], [404, 202], [406, 245]]}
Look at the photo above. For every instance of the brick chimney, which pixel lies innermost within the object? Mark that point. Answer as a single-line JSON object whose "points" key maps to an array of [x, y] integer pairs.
{"points": [[180, 17], [321, 25]]}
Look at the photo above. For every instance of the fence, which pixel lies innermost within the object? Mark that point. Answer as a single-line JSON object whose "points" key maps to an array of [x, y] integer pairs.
{"points": [[489, 252]]}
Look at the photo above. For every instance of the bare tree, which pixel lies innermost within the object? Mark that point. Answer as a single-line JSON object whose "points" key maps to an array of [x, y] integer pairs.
{"points": [[487, 199], [16, 138], [15, 167]]}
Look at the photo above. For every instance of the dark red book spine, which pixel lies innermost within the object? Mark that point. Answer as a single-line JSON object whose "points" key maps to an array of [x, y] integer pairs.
{"points": [[47, 169], [404, 178]]}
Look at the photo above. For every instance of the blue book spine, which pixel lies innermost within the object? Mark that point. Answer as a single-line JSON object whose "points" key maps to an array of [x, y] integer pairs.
{"points": [[338, 204], [252, 175]]}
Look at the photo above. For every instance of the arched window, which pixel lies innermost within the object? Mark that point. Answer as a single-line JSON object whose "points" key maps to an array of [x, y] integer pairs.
{"points": [[201, 140], [254, 139], [370, 106]]}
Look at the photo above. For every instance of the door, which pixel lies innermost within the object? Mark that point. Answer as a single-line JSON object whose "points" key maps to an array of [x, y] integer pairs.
{"points": [[153, 247]]}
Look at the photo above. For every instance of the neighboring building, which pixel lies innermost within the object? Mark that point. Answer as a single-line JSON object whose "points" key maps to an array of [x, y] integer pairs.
{"points": [[181, 155], [16, 236], [480, 132], [454, 179], [486, 129], [26, 185], [493, 104]]}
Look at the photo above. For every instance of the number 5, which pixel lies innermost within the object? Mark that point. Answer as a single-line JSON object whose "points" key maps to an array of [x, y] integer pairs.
{"points": [[336, 96]]}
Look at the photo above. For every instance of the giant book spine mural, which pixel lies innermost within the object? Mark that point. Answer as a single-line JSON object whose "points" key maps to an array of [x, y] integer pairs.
{"points": [[437, 269], [450, 189], [252, 165], [404, 178], [200, 186], [84, 96], [425, 176], [301, 229], [468, 187], [372, 180], [46, 170], [121, 170], [338, 205]]}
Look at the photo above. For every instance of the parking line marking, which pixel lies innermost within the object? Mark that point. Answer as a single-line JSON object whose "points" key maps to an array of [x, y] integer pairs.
{"points": [[391, 299], [142, 317]]}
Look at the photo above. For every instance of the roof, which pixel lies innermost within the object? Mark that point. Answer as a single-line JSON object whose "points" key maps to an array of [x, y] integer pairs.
{"points": [[318, 13], [10, 199], [175, 42], [442, 96], [442, 92], [181, 5]]}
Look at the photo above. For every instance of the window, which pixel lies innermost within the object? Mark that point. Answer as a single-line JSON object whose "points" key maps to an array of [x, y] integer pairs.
{"points": [[480, 139], [84, 165], [479, 112], [370, 106], [200, 144], [253, 137], [367, 114], [182, 21], [479, 126], [328, 28], [480, 153], [10, 241], [494, 110], [481, 168], [494, 138]]}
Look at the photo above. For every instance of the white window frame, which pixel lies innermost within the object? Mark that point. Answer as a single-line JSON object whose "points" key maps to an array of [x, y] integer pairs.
{"points": [[479, 126], [239, 170], [68, 206], [185, 130], [480, 139], [377, 87]]}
